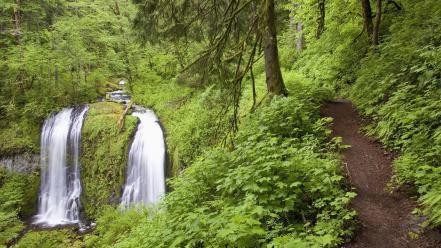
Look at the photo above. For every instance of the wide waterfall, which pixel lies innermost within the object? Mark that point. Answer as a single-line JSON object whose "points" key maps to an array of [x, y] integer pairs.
{"points": [[60, 190], [145, 181]]}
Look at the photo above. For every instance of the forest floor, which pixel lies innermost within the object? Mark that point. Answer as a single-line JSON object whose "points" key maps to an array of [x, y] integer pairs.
{"points": [[385, 218]]}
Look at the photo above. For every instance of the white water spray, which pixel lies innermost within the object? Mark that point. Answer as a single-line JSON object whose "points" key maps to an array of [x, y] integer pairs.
{"points": [[145, 181], [59, 202]]}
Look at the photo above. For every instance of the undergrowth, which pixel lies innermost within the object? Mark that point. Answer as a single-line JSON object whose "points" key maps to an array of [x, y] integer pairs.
{"points": [[396, 84], [194, 119], [50, 239], [280, 185], [399, 86], [18, 201]]}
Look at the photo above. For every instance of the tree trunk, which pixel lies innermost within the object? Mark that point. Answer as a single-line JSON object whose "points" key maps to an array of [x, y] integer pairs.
{"points": [[297, 26], [300, 43], [17, 16], [367, 18], [116, 9], [17, 31], [321, 18], [376, 31], [274, 79]]}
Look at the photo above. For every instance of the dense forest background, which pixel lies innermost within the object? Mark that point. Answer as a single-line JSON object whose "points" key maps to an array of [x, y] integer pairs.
{"points": [[238, 86]]}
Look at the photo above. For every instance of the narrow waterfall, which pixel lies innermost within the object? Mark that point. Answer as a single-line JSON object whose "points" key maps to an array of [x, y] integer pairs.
{"points": [[60, 189], [145, 180]]}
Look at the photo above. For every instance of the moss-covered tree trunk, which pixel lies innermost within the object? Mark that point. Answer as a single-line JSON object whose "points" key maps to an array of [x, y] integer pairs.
{"points": [[274, 79], [372, 25], [321, 18], [300, 43], [376, 31], [17, 17], [367, 18]]}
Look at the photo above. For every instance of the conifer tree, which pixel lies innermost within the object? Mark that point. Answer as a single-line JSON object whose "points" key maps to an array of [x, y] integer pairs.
{"points": [[232, 31]]}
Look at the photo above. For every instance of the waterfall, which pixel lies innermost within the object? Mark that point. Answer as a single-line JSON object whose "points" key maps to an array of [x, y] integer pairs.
{"points": [[60, 190], [145, 181]]}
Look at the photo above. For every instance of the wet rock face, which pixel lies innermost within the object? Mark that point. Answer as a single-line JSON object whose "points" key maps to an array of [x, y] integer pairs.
{"points": [[118, 96], [26, 163]]}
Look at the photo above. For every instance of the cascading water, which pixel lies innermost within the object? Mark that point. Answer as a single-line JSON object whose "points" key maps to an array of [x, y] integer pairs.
{"points": [[145, 182], [60, 190]]}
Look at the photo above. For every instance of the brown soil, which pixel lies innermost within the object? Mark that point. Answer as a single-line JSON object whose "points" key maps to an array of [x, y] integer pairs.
{"points": [[385, 218]]}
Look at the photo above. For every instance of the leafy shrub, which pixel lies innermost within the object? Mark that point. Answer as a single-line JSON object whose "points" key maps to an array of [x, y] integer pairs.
{"points": [[399, 87], [10, 226], [333, 59], [112, 225], [18, 200], [279, 185], [396, 84], [50, 239]]}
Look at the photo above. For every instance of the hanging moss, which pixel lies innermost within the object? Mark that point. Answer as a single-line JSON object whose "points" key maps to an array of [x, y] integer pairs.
{"points": [[104, 155]]}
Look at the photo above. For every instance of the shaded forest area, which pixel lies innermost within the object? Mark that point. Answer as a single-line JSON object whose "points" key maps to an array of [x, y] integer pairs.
{"points": [[238, 86]]}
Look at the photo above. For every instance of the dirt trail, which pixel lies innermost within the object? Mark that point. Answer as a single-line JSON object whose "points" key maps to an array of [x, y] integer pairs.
{"points": [[385, 218]]}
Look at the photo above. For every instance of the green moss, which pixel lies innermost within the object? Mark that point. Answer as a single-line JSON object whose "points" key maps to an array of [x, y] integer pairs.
{"points": [[104, 155], [50, 239], [112, 225], [19, 137], [18, 201], [30, 193], [10, 227], [103, 88]]}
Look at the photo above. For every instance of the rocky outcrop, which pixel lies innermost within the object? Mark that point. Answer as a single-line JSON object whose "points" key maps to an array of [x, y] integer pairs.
{"points": [[119, 96], [24, 163]]}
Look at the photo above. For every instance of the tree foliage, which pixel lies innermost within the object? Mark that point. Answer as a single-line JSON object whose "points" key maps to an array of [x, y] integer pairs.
{"points": [[229, 31], [280, 185], [248, 172], [62, 53], [395, 83]]}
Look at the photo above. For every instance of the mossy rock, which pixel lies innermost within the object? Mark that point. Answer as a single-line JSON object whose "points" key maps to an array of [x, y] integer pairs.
{"points": [[104, 155], [103, 88], [31, 193]]}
